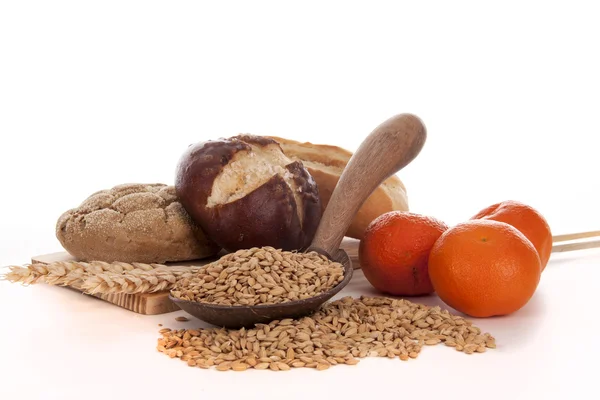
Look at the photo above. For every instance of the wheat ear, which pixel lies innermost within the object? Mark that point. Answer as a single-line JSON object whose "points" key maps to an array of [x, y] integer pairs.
{"points": [[59, 273], [98, 277], [137, 281]]}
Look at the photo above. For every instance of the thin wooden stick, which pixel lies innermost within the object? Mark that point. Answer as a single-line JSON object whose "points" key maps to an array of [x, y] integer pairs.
{"points": [[574, 236], [575, 246]]}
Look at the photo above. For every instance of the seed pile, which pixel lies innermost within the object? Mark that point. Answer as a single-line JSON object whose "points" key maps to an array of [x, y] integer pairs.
{"points": [[341, 332], [260, 276]]}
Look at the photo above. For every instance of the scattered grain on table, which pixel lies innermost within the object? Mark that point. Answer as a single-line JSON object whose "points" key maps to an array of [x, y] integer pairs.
{"points": [[340, 332]]}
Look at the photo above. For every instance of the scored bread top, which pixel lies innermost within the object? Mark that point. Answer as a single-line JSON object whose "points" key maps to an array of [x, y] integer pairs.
{"points": [[250, 168]]}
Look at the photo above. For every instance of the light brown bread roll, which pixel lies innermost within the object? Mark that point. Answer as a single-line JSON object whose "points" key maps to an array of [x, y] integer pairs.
{"points": [[325, 163], [143, 223]]}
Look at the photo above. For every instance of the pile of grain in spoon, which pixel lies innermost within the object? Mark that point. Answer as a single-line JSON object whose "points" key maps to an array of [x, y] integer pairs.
{"points": [[260, 276]]}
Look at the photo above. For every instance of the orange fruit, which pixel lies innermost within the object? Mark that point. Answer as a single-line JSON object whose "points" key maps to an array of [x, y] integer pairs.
{"points": [[526, 219], [484, 268], [394, 252]]}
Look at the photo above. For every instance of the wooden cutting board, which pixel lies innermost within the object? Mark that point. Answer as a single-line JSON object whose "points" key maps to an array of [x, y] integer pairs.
{"points": [[159, 303]]}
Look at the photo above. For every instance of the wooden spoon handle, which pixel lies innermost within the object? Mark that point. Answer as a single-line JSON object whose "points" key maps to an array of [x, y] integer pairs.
{"points": [[388, 149]]}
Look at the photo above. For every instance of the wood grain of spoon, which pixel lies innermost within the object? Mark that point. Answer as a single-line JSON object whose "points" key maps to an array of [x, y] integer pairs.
{"points": [[390, 147]]}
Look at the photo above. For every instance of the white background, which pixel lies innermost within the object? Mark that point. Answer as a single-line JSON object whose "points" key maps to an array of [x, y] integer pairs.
{"points": [[94, 94]]}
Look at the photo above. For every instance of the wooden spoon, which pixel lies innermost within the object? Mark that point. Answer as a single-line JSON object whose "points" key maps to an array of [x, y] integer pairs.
{"points": [[388, 149]]}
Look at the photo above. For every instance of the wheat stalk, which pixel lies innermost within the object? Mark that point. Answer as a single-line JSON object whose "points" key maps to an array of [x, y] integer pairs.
{"points": [[98, 277]]}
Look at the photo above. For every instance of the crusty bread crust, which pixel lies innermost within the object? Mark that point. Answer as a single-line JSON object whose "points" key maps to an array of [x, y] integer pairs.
{"points": [[133, 223], [326, 162], [244, 192]]}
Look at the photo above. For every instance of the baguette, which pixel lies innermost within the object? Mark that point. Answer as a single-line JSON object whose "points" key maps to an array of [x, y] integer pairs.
{"points": [[326, 162]]}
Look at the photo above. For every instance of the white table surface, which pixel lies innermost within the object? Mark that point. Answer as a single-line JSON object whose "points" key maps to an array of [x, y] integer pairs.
{"points": [[59, 344], [94, 94]]}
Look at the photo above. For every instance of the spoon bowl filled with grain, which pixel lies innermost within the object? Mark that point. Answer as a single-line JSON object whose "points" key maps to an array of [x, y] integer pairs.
{"points": [[260, 285]]}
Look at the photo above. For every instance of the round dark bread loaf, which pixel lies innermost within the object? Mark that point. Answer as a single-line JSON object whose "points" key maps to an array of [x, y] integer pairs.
{"points": [[244, 192], [133, 223]]}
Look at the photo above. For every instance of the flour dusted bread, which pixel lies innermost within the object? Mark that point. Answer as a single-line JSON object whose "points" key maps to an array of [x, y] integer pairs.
{"points": [[325, 163], [244, 192], [133, 223]]}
